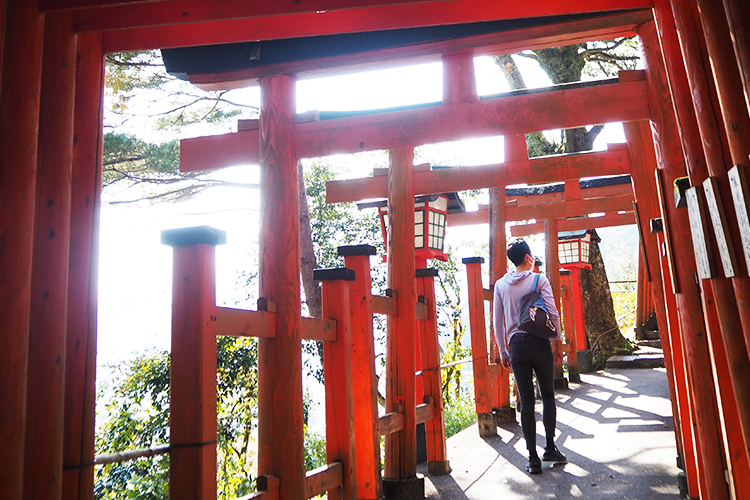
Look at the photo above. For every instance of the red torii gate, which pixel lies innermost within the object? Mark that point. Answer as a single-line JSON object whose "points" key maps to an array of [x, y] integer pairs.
{"points": [[713, 366]]}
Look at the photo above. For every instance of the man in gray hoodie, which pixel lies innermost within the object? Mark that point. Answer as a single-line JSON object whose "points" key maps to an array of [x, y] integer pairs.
{"points": [[525, 353]]}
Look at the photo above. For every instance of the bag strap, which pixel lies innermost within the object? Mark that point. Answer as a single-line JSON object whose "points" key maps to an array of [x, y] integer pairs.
{"points": [[536, 280]]}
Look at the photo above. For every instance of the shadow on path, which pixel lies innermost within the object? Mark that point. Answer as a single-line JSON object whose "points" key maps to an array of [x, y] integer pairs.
{"points": [[615, 427]]}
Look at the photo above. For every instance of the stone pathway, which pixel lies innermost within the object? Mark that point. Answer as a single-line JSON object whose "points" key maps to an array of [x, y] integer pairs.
{"points": [[615, 428]]}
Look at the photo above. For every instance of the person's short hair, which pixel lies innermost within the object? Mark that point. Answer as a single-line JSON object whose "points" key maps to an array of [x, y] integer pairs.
{"points": [[517, 251]]}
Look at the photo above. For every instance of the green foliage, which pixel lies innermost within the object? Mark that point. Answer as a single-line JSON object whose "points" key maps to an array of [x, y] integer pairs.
{"points": [[337, 224], [459, 414], [137, 412], [315, 450]]}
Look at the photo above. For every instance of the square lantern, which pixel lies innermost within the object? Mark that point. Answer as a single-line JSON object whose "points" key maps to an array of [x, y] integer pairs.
{"points": [[573, 248], [430, 216]]}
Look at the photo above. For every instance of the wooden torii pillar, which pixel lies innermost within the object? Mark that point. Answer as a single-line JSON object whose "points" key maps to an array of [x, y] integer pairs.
{"points": [[19, 123], [43, 459], [280, 422]]}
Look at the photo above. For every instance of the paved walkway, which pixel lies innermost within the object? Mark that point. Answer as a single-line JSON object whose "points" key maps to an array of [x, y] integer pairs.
{"points": [[615, 427]]}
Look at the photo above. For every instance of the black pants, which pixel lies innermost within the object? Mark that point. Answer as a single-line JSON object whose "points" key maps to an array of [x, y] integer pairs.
{"points": [[528, 353]]}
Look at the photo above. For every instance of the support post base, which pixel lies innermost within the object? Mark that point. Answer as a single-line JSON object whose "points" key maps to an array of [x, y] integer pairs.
{"points": [[561, 383], [585, 362], [504, 415], [574, 376], [682, 485], [441, 468], [486, 424], [411, 488]]}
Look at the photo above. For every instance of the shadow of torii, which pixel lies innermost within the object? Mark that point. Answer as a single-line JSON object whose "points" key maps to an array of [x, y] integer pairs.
{"points": [[615, 428]]}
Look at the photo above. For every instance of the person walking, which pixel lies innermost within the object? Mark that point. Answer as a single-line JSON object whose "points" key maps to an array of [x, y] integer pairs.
{"points": [[526, 352]]}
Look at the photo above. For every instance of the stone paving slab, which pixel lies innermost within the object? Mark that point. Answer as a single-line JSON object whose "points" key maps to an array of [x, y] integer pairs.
{"points": [[615, 428]]}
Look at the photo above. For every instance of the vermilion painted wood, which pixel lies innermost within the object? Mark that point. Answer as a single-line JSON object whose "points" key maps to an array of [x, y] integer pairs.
{"points": [[515, 150], [43, 458], [459, 83], [432, 384], [319, 329], [400, 447], [192, 423], [588, 193], [319, 481], [664, 129], [685, 426], [337, 367], [395, 129], [80, 357], [289, 20], [552, 271], [478, 337], [643, 158], [737, 127], [243, 323], [278, 8], [364, 381], [491, 117], [566, 300], [559, 34], [19, 122], [280, 423], [492, 176], [577, 298], [609, 220], [729, 318], [573, 208], [738, 17], [734, 444]]}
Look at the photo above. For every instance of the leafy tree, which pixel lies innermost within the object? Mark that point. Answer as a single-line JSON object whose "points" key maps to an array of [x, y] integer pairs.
{"points": [[137, 412], [567, 65]]}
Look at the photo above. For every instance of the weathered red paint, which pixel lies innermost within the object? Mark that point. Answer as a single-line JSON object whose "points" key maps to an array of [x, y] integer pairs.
{"points": [[401, 446], [280, 422], [672, 166], [478, 331], [364, 381], [711, 159], [506, 42], [493, 176], [192, 422], [80, 358], [738, 17], [397, 129], [288, 19], [578, 224], [431, 376], [43, 460], [337, 366], [566, 314], [19, 122], [552, 271], [562, 209]]}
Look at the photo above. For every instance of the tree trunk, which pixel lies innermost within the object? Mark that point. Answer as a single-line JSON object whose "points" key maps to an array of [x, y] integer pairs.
{"points": [[308, 262], [598, 310]]}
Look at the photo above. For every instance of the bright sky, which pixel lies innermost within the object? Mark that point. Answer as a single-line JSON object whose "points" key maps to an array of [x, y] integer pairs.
{"points": [[135, 269]]}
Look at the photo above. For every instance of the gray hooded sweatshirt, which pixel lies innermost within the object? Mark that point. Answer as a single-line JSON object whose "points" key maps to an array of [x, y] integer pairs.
{"points": [[508, 292]]}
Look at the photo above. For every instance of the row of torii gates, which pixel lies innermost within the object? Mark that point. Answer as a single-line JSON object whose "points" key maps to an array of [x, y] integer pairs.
{"points": [[685, 115]]}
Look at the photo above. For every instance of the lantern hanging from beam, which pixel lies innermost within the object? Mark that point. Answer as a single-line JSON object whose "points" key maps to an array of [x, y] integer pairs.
{"points": [[430, 216], [430, 221]]}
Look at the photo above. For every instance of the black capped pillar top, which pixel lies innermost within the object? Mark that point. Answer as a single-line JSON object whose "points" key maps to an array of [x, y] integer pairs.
{"points": [[427, 272], [472, 260], [350, 250], [338, 273], [193, 235], [657, 225]]}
